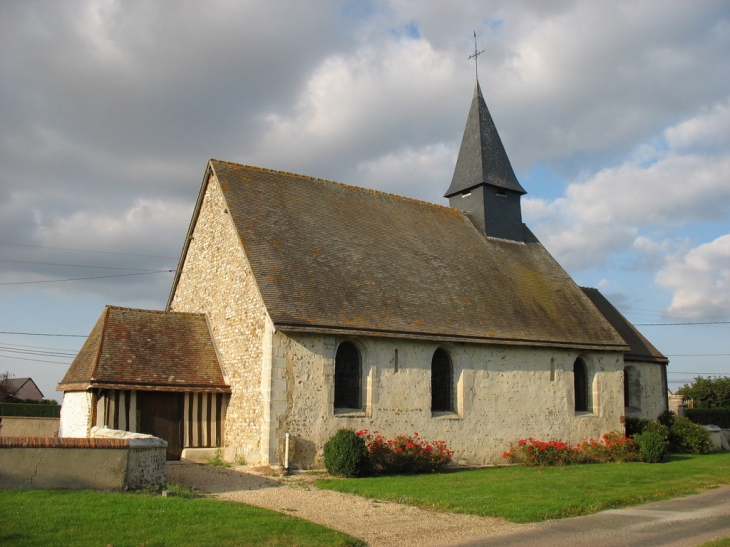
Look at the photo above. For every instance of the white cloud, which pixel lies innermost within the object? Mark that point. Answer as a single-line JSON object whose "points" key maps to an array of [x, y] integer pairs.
{"points": [[409, 172], [356, 108], [659, 186], [699, 280], [710, 130], [135, 227]]}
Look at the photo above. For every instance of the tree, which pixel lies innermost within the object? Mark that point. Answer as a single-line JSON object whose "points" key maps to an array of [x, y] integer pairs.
{"points": [[4, 387], [708, 392]]}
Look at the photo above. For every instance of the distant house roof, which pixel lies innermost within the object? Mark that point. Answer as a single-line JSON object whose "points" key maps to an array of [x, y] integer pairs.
{"points": [[328, 257], [640, 349], [147, 351], [23, 388]]}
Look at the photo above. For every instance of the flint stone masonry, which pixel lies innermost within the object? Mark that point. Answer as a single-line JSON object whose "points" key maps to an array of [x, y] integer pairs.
{"points": [[217, 280], [502, 394], [124, 462], [651, 390], [284, 381]]}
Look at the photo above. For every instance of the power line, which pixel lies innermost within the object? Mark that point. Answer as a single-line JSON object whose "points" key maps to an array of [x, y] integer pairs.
{"points": [[39, 360], [698, 355], [83, 250], [5, 349], [42, 334], [39, 348], [705, 373], [75, 265], [675, 324], [85, 278]]}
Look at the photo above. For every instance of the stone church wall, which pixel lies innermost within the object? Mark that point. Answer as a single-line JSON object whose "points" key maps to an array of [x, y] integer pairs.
{"points": [[216, 279], [651, 386], [502, 394]]}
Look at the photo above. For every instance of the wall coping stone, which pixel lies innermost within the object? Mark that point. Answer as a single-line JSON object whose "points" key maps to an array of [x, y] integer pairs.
{"points": [[138, 440], [62, 442]]}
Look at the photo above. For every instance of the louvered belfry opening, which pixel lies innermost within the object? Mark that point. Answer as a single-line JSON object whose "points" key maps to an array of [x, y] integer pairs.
{"points": [[484, 183], [348, 377]]}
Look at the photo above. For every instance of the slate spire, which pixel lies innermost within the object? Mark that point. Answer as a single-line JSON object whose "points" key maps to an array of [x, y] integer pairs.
{"points": [[484, 183]]}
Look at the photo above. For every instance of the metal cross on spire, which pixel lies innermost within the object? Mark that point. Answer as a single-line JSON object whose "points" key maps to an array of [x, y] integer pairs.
{"points": [[476, 55]]}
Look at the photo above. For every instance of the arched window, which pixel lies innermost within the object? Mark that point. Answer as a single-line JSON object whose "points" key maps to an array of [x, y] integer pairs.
{"points": [[441, 382], [580, 384], [632, 389], [348, 377]]}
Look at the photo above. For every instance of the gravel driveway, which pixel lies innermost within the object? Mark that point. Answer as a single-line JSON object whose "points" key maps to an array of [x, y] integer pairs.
{"points": [[379, 523]]}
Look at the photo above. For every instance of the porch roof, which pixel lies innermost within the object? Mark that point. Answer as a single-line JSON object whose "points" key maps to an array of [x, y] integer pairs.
{"points": [[147, 350]]}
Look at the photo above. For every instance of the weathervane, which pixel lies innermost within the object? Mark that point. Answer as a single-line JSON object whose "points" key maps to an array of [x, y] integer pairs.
{"points": [[476, 55]]}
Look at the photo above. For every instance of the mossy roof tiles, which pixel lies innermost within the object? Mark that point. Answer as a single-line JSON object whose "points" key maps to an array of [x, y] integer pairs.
{"points": [[640, 349], [330, 257], [149, 351]]}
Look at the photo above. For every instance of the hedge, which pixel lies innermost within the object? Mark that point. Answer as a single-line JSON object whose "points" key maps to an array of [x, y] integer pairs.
{"points": [[33, 411], [706, 416]]}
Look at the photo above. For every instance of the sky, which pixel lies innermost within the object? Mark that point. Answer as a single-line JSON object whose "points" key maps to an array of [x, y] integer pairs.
{"points": [[615, 116]]}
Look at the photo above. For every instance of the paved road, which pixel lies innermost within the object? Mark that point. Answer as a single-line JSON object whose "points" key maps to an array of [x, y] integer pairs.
{"points": [[679, 522]]}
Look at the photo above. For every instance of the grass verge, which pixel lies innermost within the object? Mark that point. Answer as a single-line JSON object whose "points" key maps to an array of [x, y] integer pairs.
{"points": [[725, 542], [530, 494], [73, 518]]}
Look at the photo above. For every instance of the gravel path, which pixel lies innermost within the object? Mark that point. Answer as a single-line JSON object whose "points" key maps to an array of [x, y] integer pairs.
{"points": [[379, 523]]}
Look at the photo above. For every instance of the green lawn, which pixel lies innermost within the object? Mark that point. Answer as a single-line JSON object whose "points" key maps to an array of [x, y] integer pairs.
{"points": [[86, 518], [524, 494]]}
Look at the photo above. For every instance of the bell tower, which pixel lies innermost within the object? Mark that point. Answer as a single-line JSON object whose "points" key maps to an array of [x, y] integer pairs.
{"points": [[484, 183]]}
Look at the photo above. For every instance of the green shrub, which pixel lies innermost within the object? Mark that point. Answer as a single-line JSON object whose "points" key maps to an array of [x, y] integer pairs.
{"points": [[345, 455], [30, 410], [666, 418], [651, 445], [218, 460], [685, 436], [659, 428], [634, 426], [705, 416], [708, 392]]}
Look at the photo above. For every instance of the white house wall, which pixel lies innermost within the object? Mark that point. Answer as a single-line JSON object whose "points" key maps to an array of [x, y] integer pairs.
{"points": [[75, 414], [216, 280], [503, 394]]}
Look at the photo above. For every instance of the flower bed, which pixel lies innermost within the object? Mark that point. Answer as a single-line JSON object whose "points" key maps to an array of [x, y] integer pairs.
{"points": [[613, 447], [405, 453]]}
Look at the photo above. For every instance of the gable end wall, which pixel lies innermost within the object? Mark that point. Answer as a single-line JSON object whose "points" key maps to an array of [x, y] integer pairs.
{"points": [[217, 280]]}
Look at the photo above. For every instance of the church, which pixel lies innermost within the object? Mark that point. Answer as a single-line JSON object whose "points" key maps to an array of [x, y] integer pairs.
{"points": [[301, 306]]}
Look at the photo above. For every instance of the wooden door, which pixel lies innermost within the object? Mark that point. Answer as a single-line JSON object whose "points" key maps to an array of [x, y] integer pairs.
{"points": [[161, 415]]}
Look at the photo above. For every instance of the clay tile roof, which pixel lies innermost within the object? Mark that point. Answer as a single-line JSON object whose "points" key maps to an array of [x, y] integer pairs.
{"points": [[335, 258], [147, 350], [640, 348]]}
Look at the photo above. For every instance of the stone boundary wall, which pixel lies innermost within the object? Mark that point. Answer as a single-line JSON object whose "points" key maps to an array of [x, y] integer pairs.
{"points": [[82, 463], [24, 426]]}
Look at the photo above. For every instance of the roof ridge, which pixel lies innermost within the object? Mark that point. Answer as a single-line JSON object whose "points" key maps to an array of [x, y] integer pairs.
{"points": [[336, 183], [162, 312]]}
